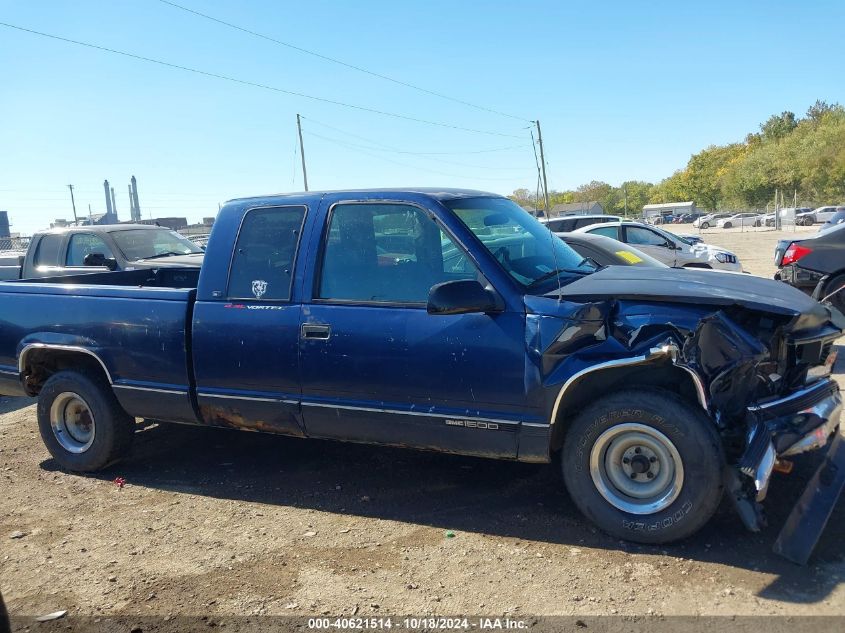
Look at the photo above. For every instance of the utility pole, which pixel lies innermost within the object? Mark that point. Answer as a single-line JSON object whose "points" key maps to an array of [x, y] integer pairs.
{"points": [[302, 152], [73, 202], [543, 164]]}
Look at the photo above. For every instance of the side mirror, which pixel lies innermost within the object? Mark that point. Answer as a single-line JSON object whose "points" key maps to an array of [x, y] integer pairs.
{"points": [[462, 297], [98, 259]]}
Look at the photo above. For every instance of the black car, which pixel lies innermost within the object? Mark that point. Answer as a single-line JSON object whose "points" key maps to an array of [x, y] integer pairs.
{"points": [[605, 251], [815, 264]]}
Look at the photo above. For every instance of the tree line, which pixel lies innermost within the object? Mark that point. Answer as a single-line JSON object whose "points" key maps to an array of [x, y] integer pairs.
{"points": [[802, 158]]}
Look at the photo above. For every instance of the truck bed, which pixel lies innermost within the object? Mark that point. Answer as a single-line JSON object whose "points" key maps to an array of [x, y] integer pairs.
{"points": [[135, 323]]}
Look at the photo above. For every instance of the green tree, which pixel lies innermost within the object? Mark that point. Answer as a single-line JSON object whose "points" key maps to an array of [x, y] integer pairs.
{"points": [[778, 126]]}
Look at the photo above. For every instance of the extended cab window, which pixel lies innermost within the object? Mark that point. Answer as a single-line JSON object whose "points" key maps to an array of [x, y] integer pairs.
{"points": [[82, 244], [48, 251], [387, 253], [262, 266]]}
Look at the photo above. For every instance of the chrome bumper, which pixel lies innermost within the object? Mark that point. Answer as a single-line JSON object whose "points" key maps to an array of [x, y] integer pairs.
{"points": [[815, 411], [828, 411]]}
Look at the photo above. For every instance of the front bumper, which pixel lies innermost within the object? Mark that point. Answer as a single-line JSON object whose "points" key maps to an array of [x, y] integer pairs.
{"points": [[803, 421]]}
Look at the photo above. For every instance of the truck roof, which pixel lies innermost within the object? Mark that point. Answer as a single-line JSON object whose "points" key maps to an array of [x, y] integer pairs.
{"points": [[437, 193]]}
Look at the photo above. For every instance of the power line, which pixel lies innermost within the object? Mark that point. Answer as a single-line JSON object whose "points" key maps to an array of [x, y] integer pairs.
{"points": [[401, 164], [399, 151], [254, 84], [342, 63], [438, 160]]}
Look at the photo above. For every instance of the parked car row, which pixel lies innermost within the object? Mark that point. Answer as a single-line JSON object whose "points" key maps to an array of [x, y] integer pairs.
{"points": [[667, 247]]}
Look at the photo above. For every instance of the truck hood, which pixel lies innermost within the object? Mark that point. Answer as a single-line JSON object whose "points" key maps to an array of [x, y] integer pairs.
{"points": [[698, 287], [173, 261]]}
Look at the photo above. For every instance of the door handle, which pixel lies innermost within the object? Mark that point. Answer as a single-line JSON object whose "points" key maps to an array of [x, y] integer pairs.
{"points": [[311, 331]]}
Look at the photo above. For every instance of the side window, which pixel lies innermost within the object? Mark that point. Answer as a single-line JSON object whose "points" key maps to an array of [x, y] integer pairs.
{"points": [[262, 266], [387, 253], [47, 253], [82, 244], [637, 235], [555, 226], [607, 231]]}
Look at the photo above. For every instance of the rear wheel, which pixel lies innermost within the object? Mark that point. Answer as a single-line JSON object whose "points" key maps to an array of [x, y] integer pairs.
{"points": [[81, 422], [644, 466], [705, 225]]}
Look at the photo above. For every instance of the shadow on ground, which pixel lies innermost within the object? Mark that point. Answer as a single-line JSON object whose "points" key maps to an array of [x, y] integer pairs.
{"points": [[507, 499], [9, 404]]}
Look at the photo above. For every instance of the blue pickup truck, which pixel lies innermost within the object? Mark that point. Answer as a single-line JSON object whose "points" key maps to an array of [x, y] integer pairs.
{"points": [[448, 320]]}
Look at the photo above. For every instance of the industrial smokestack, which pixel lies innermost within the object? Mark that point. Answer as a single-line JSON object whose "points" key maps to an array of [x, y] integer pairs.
{"points": [[134, 190], [109, 212]]}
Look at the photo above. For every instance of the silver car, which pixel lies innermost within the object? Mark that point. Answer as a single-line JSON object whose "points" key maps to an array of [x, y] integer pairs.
{"points": [[667, 247]]}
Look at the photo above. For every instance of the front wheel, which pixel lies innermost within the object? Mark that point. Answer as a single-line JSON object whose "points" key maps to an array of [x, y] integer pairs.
{"points": [[644, 466], [727, 225], [81, 422], [705, 225]]}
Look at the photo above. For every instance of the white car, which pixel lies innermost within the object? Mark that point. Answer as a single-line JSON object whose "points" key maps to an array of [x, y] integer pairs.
{"points": [[667, 247], [821, 214], [706, 221], [740, 219]]}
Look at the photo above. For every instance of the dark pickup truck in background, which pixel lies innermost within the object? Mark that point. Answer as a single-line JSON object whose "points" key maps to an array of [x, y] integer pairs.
{"points": [[448, 320], [88, 249]]}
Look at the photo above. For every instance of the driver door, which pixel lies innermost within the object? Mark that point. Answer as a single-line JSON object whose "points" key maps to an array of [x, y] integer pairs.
{"points": [[376, 367]]}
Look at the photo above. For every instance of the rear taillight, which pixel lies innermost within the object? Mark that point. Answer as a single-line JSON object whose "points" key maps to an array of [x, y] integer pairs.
{"points": [[794, 253]]}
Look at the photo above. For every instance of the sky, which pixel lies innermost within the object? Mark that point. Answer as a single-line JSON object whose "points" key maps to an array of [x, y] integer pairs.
{"points": [[623, 91]]}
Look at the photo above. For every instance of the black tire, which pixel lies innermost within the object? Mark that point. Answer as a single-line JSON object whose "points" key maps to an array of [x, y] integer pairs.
{"points": [[727, 225], [5, 626], [111, 428], [692, 434], [704, 225]]}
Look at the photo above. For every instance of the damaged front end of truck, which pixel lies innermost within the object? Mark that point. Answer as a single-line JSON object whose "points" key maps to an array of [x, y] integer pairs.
{"points": [[756, 358]]}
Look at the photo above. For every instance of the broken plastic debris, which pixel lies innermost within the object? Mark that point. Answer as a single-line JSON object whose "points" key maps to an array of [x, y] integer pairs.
{"points": [[310, 533], [17, 534], [450, 534], [119, 482], [51, 616]]}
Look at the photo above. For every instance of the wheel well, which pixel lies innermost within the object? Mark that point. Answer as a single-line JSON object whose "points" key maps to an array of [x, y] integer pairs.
{"points": [[40, 364], [593, 385]]}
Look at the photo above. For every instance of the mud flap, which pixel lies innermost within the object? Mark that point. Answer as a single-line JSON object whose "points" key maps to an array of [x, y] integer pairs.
{"points": [[808, 518]]}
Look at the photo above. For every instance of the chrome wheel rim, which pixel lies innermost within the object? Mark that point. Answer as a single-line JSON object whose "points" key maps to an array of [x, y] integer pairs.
{"points": [[636, 468], [72, 422]]}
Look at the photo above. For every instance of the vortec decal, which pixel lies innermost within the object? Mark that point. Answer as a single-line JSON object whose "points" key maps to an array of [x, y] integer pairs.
{"points": [[241, 306]]}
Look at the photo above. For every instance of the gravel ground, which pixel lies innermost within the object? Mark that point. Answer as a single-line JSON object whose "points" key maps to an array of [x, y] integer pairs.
{"points": [[218, 523]]}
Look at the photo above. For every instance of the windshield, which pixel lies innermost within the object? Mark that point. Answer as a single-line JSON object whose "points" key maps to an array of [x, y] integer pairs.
{"points": [[524, 247], [138, 244]]}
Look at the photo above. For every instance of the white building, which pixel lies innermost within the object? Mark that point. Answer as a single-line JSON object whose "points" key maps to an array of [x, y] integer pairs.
{"points": [[669, 208]]}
